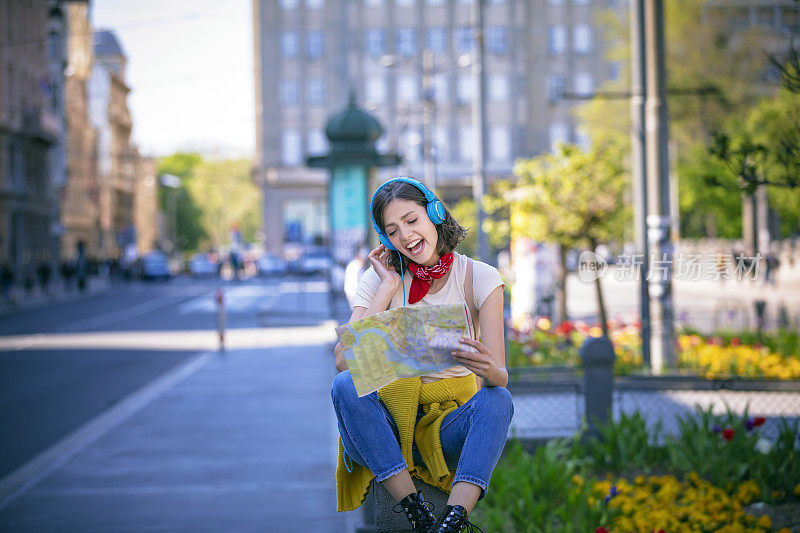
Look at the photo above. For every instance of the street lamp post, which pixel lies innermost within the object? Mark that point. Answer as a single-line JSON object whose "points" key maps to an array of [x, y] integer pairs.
{"points": [[174, 183], [479, 127]]}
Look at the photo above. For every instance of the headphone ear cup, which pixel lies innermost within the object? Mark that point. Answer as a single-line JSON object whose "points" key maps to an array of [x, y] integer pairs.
{"points": [[386, 242], [436, 211]]}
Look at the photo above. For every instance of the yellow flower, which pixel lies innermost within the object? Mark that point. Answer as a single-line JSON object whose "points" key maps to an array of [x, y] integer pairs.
{"points": [[797, 490], [764, 521]]}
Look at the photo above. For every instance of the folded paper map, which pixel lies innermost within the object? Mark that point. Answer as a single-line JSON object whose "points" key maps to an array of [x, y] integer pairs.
{"points": [[402, 342]]}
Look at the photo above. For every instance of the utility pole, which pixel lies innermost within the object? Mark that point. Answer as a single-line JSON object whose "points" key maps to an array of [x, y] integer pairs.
{"points": [[658, 194], [479, 127], [639, 166]]}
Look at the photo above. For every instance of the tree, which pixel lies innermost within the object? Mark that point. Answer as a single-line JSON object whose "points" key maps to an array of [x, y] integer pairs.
{"points": [[712, 73], [187, 213], [572, 198], [228, 198], [496, 224]]}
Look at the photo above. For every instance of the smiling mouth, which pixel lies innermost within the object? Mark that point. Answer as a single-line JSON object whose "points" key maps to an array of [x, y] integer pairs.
{"points": [[417, 247]]}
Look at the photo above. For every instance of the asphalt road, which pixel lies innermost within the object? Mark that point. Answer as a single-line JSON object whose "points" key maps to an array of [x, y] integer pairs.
{"points": [[45, 394]]}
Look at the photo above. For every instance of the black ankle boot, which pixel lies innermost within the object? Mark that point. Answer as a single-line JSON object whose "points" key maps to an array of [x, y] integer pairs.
{"points": [[418, 511], [454, 520]]}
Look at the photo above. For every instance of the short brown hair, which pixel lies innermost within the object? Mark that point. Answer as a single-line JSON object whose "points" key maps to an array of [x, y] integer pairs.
{"points": [[449, 232]]}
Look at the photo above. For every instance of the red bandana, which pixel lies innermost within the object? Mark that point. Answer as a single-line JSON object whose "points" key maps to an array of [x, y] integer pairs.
{"points": [[423, 276]]}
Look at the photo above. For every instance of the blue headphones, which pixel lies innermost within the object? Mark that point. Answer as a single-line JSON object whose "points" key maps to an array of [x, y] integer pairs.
{"points": [[434, 208]]}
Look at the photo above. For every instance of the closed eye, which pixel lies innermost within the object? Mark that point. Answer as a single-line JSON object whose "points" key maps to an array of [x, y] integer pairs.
{"points": [[410, 222]]}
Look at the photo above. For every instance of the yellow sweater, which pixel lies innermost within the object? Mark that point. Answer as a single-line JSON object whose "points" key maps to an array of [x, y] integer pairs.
{"points": [[402, 398]]}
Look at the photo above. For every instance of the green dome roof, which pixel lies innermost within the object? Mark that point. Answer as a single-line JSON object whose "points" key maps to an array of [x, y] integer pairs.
{"points": [[353, 125]]}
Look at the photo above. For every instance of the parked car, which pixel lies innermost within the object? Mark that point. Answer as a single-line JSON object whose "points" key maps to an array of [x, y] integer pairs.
{"points": [[203, 265], [272, 265], [155, 266], [315, 262]]}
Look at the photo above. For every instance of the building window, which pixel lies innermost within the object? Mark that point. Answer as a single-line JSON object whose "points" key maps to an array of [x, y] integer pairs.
{"points": [[437, 40], [317, 143], [558, 135], [582, 39], [555, 2], [292, 150], [412, 141], [583, 84], [614, 70], [555, 87], [375, 91], [375, 42], [407, 42], [289, 5], [289, 44], [498, 88], [790, 18], [315, 44], [374, 3], [405, 2], [497, 1], [465, 144], [316, 91], [440, 88], [315, 5], [435, 2], [463, 39], [288, 92], [407, 89], [497, 40], [499, 144], [464, 94], [441, 145], [556, 40], [582, 2]]}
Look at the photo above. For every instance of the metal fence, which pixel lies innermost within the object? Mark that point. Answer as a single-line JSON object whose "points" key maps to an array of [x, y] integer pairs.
{"points": [[552, 402]]}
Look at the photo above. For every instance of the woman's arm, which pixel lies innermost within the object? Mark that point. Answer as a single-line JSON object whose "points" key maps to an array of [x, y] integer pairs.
{"points": [[380, 303], [490, 361]]}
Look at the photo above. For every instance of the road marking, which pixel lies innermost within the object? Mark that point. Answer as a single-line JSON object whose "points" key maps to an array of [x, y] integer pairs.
{"points": [[129, 312], [19, 481], [189, 340]]}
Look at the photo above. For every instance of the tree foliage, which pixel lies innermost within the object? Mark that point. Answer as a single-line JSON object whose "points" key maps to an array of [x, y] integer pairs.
{"points": [[712, 74], [570, 197], [189, 229], [228, 199]]}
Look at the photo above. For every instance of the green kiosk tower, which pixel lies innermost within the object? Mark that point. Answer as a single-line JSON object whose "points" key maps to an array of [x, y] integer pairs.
{"points": [[352, 160]]}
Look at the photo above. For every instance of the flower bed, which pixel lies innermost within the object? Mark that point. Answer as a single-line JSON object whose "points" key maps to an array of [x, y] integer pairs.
{"points": [[711, 477], [727, 354]]}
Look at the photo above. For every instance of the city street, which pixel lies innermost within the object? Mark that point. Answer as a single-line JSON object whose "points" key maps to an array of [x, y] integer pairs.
{"points": [[126, 417]]}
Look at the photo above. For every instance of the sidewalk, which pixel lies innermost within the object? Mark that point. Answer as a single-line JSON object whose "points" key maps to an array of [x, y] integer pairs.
{"points": [[24, 301], [244, 441]]}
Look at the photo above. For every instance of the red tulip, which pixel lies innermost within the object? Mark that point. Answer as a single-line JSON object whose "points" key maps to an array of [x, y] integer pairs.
{"points": [[600, 529], [735, 341], [727, 434], [759, 421]]}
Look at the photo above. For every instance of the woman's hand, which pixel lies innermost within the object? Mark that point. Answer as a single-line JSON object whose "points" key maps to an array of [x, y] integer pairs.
{"points": [[379, 257], [480, 362]]}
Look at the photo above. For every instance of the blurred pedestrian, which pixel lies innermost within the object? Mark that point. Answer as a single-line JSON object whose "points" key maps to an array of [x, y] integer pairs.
{"points": [[352, 274], [81, 266], [6, 281], [66, 274], [772, 263], [43, 273]]}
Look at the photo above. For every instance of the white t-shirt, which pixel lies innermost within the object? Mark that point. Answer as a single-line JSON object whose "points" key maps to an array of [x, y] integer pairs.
{"points": [[485, 279]]}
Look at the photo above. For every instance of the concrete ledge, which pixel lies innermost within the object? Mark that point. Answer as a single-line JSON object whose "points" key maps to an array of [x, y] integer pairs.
{"points": [[381, 503]]}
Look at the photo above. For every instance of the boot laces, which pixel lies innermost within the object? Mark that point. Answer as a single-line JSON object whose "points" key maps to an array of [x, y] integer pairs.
{"points": [[413, 512], [452, 525]]}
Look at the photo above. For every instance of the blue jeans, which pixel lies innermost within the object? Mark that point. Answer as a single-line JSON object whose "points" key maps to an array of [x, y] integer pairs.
{"points": [[472, 436]]}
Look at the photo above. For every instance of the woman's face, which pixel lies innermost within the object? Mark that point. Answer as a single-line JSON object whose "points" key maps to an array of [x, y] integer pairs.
{"points": [[411, 231]]}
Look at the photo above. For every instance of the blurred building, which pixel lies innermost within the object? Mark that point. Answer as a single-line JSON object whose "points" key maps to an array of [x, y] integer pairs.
{"points": [[146, 215], [116, 157], [408, 61], [79, 204], [32, 122]]}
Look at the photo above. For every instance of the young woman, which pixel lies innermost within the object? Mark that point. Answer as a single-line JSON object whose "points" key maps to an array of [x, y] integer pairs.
{"points": [[438, 427]]}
